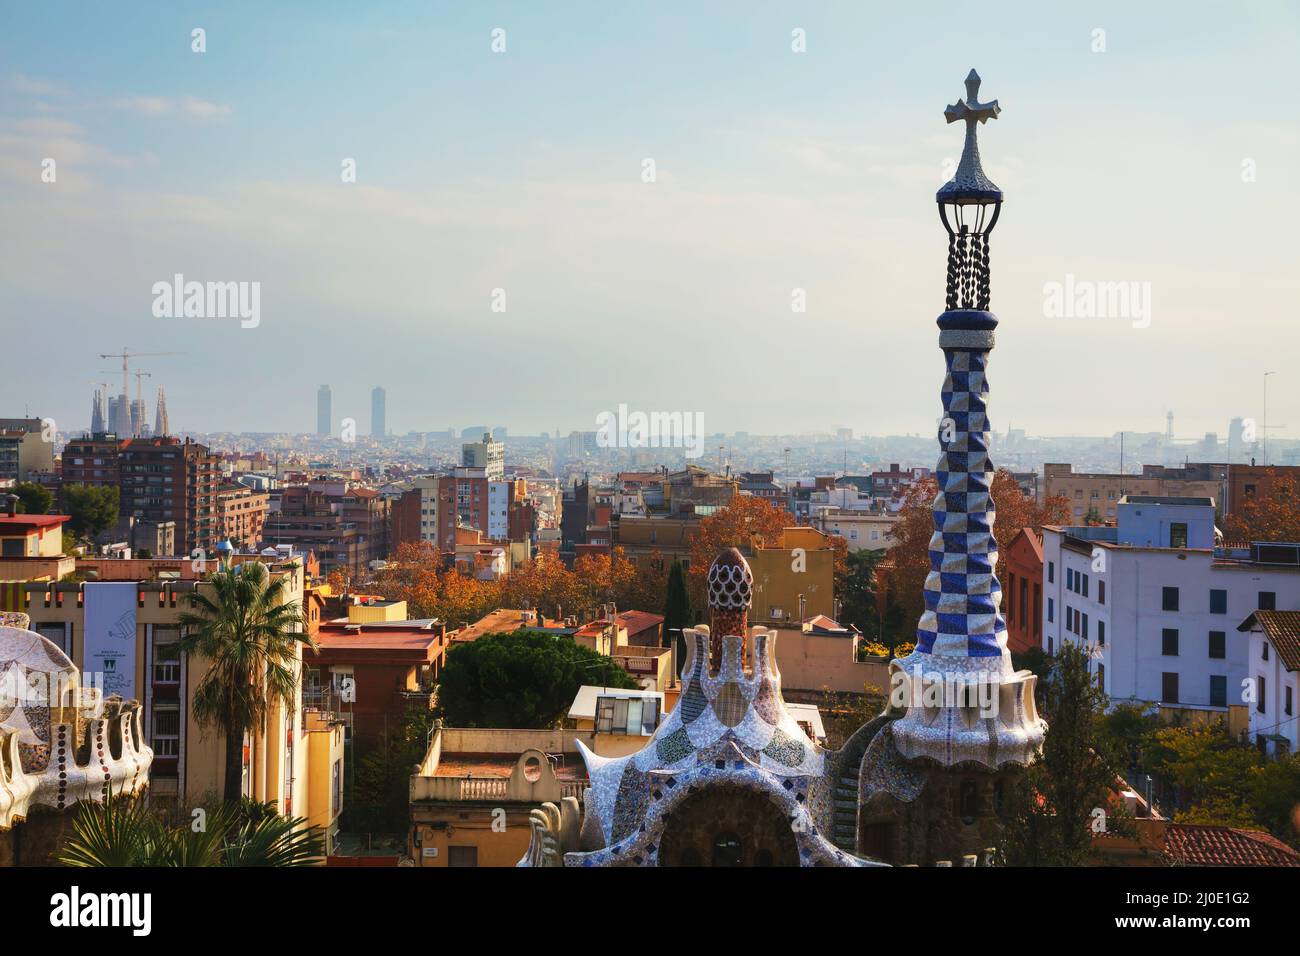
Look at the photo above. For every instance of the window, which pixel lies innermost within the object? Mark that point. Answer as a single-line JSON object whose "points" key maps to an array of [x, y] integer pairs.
{"points": [[166, 730], [167, 663], [1168, 688], [166, 654], [1169, 599], [1050, 642], [1218, 690], [1084, 631], [462, 856], [1264, 655], [1218, 601], [1051, 572], [1101, 677], [1051, 610], [637, 716], [1286, 705], [1262, 686], [57, 633], [1101, 633], [1218, 645], [1069, 579], [1178, 534], [1169, 642], [1101, 592], [1024, 601], [1085, 585], [1267, 601]]}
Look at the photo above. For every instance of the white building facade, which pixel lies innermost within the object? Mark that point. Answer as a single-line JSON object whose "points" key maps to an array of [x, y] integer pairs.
{"points": [[1162, 621], [1273, 669]]}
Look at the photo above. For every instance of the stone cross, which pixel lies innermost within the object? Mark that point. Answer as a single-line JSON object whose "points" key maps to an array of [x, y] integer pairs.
{"points": [[971, 109]]}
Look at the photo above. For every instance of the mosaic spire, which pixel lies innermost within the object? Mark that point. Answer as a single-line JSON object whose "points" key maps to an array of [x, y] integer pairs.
{"points": [[731, 594], [964, 701]]}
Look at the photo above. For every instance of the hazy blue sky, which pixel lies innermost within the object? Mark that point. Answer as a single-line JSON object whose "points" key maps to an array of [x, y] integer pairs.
{"points": [[522, 170]]}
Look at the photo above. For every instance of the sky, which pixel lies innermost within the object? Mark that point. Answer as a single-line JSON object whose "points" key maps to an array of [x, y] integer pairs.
{"points": [[1153, 144]]}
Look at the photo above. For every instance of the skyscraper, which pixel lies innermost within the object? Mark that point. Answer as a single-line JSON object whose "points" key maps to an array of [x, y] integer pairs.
{"points": [[378, 415], [324, 410]]}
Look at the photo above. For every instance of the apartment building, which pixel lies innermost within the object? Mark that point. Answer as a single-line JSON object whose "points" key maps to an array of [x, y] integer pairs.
{"points": [[124, 634], [1244, 482], [794, 580], [862, 530], [167, 479], [1159, 600], [488, 454], [241, 514], [344, 526], [26, 449], [1097, 494], [92, 460], [1022, 591]]}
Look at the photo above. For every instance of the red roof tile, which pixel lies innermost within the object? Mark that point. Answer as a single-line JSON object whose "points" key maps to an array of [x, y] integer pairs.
{"points": [[638, 621], [1197, 845], [1282, 629]]}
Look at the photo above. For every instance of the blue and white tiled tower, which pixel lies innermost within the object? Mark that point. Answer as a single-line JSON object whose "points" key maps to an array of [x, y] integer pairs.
{"points": [[965, 703]]}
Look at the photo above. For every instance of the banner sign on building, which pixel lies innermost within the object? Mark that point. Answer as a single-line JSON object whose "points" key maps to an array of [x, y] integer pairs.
{"points": [[110, 637]]}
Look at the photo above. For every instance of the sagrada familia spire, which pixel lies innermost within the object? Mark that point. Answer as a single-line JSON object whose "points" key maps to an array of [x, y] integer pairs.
{"points": [[160, 425]]}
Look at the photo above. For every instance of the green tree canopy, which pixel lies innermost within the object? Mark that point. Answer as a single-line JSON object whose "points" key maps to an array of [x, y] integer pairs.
{"points": [[524, 679], [92, 508], [32, 498], [1064, 795]]}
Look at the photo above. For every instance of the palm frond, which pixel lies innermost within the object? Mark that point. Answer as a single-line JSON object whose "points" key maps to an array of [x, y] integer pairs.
{"points": [[119, 832]]}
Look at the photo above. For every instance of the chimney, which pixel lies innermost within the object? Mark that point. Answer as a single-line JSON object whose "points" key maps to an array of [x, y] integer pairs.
{"points": [[11, 505]]}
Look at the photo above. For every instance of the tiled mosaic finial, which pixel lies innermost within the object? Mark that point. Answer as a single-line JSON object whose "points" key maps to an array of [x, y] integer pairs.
{"points": [[961, 639], [731, 594]]}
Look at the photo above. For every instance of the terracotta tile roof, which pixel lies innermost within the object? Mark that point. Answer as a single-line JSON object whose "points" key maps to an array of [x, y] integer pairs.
{"points": [[638, 621], [1283, 631], [1196, 845]]}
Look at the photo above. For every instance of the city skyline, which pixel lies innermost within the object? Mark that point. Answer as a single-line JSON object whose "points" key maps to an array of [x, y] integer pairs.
{"points": [[778, 189]]}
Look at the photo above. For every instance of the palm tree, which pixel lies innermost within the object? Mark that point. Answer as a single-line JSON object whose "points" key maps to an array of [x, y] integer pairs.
{"points": [[123, 832], [247, 632]]}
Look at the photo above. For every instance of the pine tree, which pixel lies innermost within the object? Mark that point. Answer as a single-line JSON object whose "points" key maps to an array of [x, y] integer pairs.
{"points": [[677, 612]]}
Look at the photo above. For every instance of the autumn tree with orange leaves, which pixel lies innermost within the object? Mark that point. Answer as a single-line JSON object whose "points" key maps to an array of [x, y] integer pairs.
{"points": [[747, 522], [1274, 516], [908, 560], [416, 574]]}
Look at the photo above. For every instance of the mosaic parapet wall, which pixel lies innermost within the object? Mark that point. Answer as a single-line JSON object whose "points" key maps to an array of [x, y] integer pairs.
{"points": [[729, 731], [60, 742], [965, 703]]}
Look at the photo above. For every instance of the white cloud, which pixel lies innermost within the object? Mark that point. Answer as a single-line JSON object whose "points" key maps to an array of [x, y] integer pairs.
{"points": [[190, 106]]}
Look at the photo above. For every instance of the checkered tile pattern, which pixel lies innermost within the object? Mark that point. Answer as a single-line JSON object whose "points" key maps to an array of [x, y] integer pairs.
{"points": [[962, 594]]}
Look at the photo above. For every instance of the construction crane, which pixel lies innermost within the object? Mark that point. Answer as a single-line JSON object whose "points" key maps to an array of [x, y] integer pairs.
{"points": [[139, 384], [126, 355]]}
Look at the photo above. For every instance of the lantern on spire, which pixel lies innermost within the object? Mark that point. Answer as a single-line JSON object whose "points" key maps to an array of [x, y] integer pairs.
{"points": [[969, 205]]}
